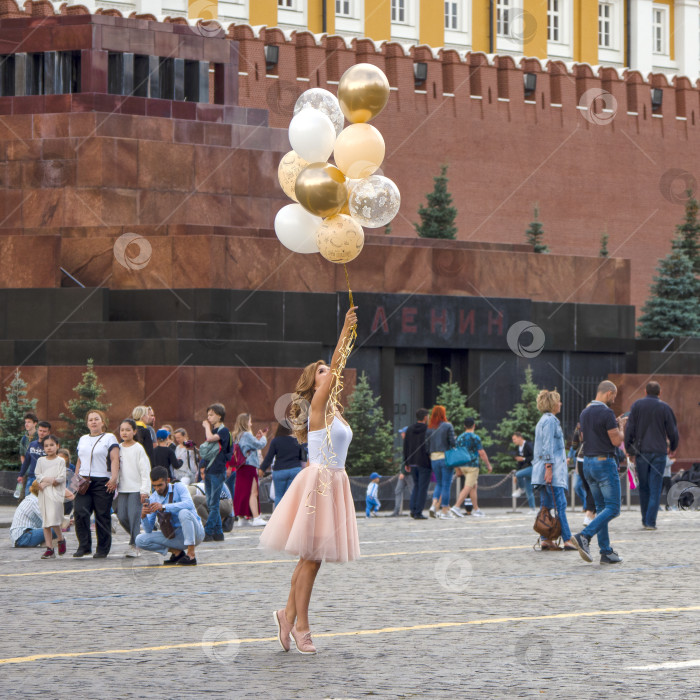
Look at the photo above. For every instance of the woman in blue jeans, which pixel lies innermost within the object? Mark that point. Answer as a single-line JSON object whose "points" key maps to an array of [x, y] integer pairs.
{"points": [[442, 438], [549, 468], [288, 456]]}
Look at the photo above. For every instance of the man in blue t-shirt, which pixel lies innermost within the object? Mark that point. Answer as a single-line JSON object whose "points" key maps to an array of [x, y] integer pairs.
{"points": [[217, 432], [601, 433], [472, 442], [34, 451]]}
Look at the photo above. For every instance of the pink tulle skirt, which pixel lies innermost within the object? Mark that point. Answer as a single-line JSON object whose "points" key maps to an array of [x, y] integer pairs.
{"points": [[316, 518]]}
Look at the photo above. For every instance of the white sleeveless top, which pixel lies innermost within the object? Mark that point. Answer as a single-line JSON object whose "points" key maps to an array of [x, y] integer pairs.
{"points": [[341, 436]]}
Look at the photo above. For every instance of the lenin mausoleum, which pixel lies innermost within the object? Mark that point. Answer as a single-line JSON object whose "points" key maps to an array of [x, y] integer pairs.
{"points": [[138, 161]]}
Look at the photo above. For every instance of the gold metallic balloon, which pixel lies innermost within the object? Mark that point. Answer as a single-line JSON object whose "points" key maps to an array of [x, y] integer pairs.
{"points": [[363, 92], [340, 239], [320, 188], [289, 168], [359, 150]]}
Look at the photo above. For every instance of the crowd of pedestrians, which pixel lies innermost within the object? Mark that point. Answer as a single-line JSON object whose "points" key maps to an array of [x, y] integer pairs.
{"points": [[169, 495]]}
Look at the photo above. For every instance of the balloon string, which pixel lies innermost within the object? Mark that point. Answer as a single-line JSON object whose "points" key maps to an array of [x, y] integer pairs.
{"points": [[327, 452]]}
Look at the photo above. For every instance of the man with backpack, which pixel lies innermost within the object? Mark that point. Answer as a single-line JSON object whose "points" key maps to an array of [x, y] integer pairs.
{"points": [[217, 436], [472, 443]]}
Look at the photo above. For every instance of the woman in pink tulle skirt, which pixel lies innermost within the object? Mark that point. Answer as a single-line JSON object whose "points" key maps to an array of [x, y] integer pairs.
{"points": [[315, 519]]}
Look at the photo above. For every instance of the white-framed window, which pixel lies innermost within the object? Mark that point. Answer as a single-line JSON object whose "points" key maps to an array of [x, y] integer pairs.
{"points": [[399, 11], [605, 25], [344, 8], [554, 20], [452, 15], [503, 17], [659, 29]]}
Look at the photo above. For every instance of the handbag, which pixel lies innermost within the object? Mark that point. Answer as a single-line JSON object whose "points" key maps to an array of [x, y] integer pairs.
{"points": [[546, 524], [460, 455], [85, 481], [165, 523]]}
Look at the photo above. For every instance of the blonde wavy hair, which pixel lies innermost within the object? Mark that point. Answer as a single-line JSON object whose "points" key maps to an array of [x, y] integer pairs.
{"points": [[301, 401], [240, 426], [547, 401]]}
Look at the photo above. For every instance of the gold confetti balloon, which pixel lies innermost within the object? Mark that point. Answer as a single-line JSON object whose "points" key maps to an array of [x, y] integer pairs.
{"points": [[374, 201], [340, 239], [320, 188], [289, 168], [363, 92]]}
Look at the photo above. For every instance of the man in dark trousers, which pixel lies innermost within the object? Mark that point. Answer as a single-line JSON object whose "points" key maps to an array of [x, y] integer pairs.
{"points": [[601, 433], [651, 430], [417, 458]]}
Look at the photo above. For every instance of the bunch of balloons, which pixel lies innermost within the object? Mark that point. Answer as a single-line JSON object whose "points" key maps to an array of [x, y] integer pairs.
{"points": [[334, 202]]}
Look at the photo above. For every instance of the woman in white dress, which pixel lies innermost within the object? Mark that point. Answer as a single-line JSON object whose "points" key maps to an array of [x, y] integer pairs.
{"points": [[316, 518], [51, 477]]}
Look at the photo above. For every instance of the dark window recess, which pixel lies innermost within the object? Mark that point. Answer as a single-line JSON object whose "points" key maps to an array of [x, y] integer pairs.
{"points": [[142, 76], [69, 68], [115, 73], [34, 76], [196, 81], [166, 77], [7, 76]]}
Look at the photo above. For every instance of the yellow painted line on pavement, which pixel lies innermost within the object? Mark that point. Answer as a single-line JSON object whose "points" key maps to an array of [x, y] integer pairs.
{"points": [[271, 561], [352, 633]]}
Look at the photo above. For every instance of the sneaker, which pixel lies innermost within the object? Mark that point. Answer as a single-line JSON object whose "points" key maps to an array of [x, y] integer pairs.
{"points": [[587, 521], [581, 542], [184, 560], [173, 559], [133, 551], [115, 523], [650, 527], [258, 522], [219, 537], [518, 492], [445, 516], [48, 554], [208, 538], [283, 629], [610, 558], [62, 548], [479, 513], [432, 512], [457, 512], [532, 511], [303, 642]]}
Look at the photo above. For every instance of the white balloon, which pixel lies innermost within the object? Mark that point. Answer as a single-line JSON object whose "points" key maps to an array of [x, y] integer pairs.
{"points": [[312, 135], [296, 228], [374, 201], [325, 102]]}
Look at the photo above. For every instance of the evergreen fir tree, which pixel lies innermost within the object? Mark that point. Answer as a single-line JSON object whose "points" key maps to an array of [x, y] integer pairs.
{"points": [[673, 307], [13, 408], [455, 402], [687, 240], [604, 246], [535, 234], [522, 418], [387, 230], [372, 446], [88, 392], [438, 218]]}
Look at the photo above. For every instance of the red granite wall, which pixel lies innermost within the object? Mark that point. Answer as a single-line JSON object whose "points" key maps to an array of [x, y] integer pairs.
{"points": [[179, 396], [681, 392]]}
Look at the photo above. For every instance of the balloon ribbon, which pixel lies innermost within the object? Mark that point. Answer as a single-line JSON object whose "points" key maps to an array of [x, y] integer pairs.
{"points": [[324, 477]]}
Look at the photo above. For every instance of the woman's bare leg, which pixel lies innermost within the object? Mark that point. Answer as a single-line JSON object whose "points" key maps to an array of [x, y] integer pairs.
{"points": [[302, 589], [290, 610], [48, 537], [254, 500]]}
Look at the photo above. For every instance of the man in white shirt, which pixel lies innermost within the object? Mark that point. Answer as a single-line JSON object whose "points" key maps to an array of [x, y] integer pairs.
{"points": [[26, 530]]}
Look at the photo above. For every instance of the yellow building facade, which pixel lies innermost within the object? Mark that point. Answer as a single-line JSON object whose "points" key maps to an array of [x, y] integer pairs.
{"points": [[648, 35]]}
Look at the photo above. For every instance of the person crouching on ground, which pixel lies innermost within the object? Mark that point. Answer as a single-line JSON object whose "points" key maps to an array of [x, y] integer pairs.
{"points": [[371, 500], [173, 500], [26, 529], [549, 468]]}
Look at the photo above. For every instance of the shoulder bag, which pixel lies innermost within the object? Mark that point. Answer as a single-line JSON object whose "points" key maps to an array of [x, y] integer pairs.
{"points": [[165, 523], [546, 524], [460, 455], [84, 481]]}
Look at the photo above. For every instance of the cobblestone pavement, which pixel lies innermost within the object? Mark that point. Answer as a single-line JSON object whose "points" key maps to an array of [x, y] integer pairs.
{"points": [[433, 609]]}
